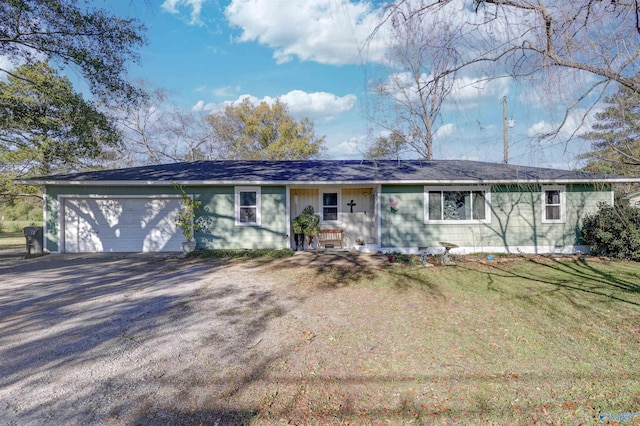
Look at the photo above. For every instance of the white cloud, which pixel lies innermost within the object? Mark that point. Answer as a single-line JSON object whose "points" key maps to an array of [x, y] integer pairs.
{"points": [[317, 106], [325, 31], [226, 91], [172, 6], [578, 121], [445, 130], [470, 92], [347, 149], [339, 32], [200, 106], [539, 128], [466, 93]]}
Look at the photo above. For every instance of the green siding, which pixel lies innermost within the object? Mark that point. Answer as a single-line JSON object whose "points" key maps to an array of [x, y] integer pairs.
{"points": [[216, 214], [515, 219], [219, 230]]}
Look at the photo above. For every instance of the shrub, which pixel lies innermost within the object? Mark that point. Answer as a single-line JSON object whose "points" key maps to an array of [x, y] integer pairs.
{"points": [[185, 220], [407, 259], [614, 231]]}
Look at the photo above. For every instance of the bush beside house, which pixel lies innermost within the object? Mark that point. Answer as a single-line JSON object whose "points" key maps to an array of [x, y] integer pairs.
{"points": [[614, 231]]}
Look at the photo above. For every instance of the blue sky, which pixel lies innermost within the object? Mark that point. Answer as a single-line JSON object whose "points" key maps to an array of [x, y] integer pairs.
{"points": [[208, 53]]}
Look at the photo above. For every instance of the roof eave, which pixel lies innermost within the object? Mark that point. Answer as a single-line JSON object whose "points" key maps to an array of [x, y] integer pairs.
{"points": [[319, 183]]}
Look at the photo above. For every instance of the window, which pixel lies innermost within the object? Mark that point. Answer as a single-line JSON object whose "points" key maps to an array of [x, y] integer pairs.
{"points": [[330, 206], [247, 206], [553, 205], [456, 205]]}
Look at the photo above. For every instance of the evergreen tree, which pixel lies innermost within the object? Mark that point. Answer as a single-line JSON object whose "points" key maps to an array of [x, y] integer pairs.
{"points": [[76, 34], [46, 127], [615, 137]]}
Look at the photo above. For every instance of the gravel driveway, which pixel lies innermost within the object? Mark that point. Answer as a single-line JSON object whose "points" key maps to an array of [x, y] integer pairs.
{"points": [[128, 339]]}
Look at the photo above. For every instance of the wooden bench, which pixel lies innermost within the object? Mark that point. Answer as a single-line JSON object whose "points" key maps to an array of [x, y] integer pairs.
{"points": [[330, 238]]}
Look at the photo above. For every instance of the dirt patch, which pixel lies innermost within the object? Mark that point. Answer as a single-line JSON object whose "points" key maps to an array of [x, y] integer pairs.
{"points": [[86, 339], [310, 258], [149, 339]]}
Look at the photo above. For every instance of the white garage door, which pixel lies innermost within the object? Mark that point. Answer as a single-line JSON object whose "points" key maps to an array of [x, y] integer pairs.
{"points": [[120, 224]]}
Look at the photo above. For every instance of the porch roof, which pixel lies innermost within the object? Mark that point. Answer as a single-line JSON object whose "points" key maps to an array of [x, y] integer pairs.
{"points": [[325, 172]]}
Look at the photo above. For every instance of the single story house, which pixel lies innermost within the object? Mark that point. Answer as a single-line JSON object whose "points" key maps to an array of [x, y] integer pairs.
{"points": [[405, 206]]}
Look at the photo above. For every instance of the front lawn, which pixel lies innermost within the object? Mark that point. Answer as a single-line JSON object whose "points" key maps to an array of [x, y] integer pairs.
{"points": [[10, 240], [318, 339], [515, 340]]}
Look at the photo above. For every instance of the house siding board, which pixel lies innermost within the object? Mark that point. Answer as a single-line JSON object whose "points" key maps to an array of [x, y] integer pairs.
{"points": [[515, 219], [515, 216], [358, 221], [303, 197], [217, 219], [404, 226], [217, 213]]}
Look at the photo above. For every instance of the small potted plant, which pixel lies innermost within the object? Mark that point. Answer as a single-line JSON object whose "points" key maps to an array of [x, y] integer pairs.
{"points": [[298, 232], [185, 220], [391, 256]]}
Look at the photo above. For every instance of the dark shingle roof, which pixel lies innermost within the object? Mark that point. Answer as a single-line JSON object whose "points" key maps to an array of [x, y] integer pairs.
{"points": [[326, 171]]}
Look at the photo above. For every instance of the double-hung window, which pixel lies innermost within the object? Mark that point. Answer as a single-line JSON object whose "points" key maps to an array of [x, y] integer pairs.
{"points": [[553, 204], [457, 205], [247, 206], [330, 203]]}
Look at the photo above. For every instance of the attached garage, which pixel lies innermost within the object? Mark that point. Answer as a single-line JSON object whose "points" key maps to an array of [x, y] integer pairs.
{"points": [[119, 224]]}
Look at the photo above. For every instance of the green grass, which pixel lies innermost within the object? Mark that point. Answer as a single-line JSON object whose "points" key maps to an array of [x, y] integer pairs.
{"points": [[11, 240], [513, 341], [16, 225]]}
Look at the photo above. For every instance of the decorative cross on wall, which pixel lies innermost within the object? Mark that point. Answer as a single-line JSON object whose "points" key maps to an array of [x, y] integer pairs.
{"points": [[352, 205]]}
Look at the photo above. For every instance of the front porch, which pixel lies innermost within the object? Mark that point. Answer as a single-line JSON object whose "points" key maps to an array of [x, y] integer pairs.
{"points": [[350, 209]]}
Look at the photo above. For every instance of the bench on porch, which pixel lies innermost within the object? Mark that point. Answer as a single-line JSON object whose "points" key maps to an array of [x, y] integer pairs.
{"points": [[330, 238]]}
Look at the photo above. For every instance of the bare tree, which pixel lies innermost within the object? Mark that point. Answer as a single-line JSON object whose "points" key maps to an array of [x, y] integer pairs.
{"points": [[595, 42], [417, 79], [157, 132]]}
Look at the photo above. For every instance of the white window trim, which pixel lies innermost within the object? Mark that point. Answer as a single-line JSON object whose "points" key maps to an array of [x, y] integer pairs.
{"points": [[321, 204], [563, 203], [257, 190], [487, 204]]}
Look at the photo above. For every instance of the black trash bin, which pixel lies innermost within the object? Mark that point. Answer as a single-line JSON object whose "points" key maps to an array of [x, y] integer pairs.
{"points": [[34, 239]]}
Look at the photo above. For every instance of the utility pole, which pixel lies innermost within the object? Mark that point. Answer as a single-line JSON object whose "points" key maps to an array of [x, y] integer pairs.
{"points": [[505, 132]]}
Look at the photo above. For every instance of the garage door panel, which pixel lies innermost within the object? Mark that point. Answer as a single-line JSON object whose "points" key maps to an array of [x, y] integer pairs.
{"points": [[121, 225]]}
